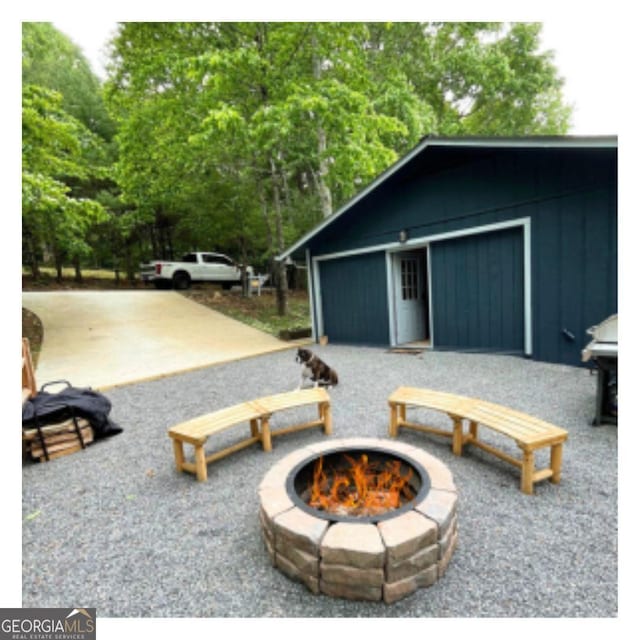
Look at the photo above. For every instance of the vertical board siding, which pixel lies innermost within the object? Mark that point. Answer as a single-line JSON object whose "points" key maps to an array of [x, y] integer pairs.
{"points": [[575, 272], [478, 292], [354, 299], [570, 196]]}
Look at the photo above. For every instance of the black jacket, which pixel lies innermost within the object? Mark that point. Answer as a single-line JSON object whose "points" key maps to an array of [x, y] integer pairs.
{"points": [[48, 408]]}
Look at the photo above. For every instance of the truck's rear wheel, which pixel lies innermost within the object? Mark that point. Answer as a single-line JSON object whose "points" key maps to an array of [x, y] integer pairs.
{"points": [[181, 280]]}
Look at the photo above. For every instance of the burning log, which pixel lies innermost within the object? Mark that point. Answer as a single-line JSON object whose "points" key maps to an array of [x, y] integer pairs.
{"points": [[360, 487]]}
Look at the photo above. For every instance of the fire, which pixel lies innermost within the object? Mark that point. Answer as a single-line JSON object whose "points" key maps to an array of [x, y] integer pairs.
{"points": [[361, 489]]}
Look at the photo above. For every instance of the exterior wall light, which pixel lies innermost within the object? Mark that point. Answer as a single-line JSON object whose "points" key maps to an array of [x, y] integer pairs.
{"points": [[404, 236]]}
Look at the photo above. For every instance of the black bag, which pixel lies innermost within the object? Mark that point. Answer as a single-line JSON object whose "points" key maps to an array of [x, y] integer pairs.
{"points": [[47, 408]]}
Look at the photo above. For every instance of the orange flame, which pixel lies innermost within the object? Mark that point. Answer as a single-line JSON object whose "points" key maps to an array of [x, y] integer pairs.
{"points": [[361, 489]]}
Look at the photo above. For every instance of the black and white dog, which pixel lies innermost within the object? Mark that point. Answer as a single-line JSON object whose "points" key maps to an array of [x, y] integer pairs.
{"points": [[314, 368]]}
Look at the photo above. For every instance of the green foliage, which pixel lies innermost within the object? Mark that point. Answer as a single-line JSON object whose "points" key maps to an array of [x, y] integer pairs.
{"points": [[66, 154], [53, 147], [241, 136], [51, 60], [286, 109]]}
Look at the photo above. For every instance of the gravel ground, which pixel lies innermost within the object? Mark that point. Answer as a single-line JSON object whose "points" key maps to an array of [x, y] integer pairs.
{"points": [[117, 523]]}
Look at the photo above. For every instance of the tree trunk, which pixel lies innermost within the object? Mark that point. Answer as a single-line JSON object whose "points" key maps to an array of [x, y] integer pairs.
{"points": [[35, 267], [265, 215], [278, 268], [282, 293], [129, 264], [131, 273], [170, 242], [326, 204], [246, 289], [155, 247], [58, 262], [76, 265]]}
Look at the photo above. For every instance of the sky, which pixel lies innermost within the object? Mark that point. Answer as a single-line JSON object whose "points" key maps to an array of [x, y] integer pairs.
{"points": [[587, 58]]}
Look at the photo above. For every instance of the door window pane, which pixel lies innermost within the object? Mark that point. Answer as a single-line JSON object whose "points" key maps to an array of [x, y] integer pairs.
{"points": [[409, 278]]}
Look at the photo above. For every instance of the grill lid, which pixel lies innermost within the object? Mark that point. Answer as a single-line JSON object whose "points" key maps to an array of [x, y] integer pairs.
{"points": [[606, 331], [605, 340]]}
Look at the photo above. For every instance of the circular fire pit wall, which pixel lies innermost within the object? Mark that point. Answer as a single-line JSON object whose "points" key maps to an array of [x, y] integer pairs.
{"points": [[384, 556]]}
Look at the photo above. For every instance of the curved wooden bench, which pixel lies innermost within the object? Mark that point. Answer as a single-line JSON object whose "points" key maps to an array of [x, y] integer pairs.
{"points": [[257, 413], [529, 433]]}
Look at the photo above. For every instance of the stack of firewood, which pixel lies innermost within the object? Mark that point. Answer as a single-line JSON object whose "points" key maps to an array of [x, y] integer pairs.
{"points": [[57, 439], [51, 440]]}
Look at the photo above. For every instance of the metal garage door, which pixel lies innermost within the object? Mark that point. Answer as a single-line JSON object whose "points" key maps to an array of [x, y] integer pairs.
{"points": [[478, 292]]}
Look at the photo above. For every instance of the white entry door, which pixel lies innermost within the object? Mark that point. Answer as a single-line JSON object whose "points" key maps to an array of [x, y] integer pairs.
{"points": [[410, 296]]}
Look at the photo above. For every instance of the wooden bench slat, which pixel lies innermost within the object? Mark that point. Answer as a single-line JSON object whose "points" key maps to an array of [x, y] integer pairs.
{"points": [[521, 427], [203, 426], [508, 424], [519, 416], [441, 399], [291, 399]]}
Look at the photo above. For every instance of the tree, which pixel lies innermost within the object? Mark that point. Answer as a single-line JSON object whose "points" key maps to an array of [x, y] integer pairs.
{"points": [[51, 60], [52, 152], [251, 133], [478, 78], [265, 117], [66, 147]]}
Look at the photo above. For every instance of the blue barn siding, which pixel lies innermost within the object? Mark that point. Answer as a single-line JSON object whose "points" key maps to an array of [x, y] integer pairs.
{"points": [[479, 189], [569, 196], [478, 292], [574, 257], [354, 299]]}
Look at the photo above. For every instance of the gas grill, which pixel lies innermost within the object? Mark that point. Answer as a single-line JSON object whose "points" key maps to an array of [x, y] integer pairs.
{"points": [[603, 352]]}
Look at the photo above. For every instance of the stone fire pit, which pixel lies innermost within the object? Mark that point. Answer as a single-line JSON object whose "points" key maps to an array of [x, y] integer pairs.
{"points": [[378, 558]]}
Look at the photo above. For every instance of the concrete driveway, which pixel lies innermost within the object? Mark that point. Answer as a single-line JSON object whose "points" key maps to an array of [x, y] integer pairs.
{"points": [[103, 339]]}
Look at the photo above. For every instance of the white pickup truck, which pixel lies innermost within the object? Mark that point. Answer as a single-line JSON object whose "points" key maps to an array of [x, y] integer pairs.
{"points": [[197, 266]]}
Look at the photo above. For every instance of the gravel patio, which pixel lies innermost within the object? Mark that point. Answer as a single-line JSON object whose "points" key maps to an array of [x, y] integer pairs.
{"points": [[117, 523]]}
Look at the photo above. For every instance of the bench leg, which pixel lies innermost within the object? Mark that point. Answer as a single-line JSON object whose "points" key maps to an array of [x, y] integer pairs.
{"points": [[556, 462], [255, 431], [393, 419], [324, 411], [456, 445], [265, 432], [178, 452], [526, 481], [201, 463], [473, 431]]}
